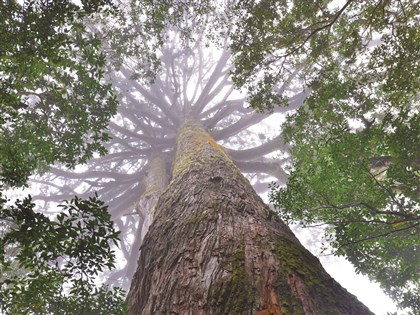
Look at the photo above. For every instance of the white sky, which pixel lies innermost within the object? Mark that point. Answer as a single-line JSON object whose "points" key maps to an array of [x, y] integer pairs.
{"points": [[367, 292]]}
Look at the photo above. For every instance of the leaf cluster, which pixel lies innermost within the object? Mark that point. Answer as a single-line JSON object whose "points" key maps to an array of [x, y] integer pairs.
{"points": [[372, 45], [49, 265], [54, 103]]}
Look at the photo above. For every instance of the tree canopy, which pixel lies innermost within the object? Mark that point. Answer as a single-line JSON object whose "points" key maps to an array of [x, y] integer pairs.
{"points": [[55, 105]]}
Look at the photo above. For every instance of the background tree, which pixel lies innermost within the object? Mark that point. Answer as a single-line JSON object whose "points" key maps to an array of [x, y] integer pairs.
{"points": [[195, 82]]}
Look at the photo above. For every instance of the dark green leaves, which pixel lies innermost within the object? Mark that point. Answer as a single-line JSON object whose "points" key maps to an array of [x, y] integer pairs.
{"points": [[48, 266], [374, 43], [54, 105]]}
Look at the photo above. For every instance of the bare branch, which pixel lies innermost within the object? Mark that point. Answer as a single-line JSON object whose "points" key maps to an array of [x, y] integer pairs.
{"points": [[249, 154]]}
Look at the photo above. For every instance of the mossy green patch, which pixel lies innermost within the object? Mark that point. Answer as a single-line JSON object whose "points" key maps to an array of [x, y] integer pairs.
{"points": [[195, 147], [235, 293], [197, 218], [296, 261]]}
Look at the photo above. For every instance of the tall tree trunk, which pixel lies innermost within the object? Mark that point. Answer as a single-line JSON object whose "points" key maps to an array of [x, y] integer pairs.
{"points": [[216, 248]]}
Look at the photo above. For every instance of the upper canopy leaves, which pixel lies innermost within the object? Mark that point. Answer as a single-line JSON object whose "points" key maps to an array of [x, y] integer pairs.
{"points": [[54, 104], [54, 107]]}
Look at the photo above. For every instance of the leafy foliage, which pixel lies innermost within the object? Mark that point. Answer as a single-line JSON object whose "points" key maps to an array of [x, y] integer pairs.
{"points": [[371, 48], [54, 104], [49, 266]]}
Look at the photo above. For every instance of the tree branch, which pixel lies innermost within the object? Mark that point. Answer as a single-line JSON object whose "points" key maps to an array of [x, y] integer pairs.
{"points": [[379, 235], [317, 30], [256, 152]]}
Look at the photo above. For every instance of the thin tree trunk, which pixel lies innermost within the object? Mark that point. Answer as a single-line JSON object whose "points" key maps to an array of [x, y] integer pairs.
{"points": [[216, 248], [155, 181]]}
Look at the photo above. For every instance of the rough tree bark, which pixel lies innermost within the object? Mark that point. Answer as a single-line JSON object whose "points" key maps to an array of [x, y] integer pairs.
{"points": [[215, 248]]}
